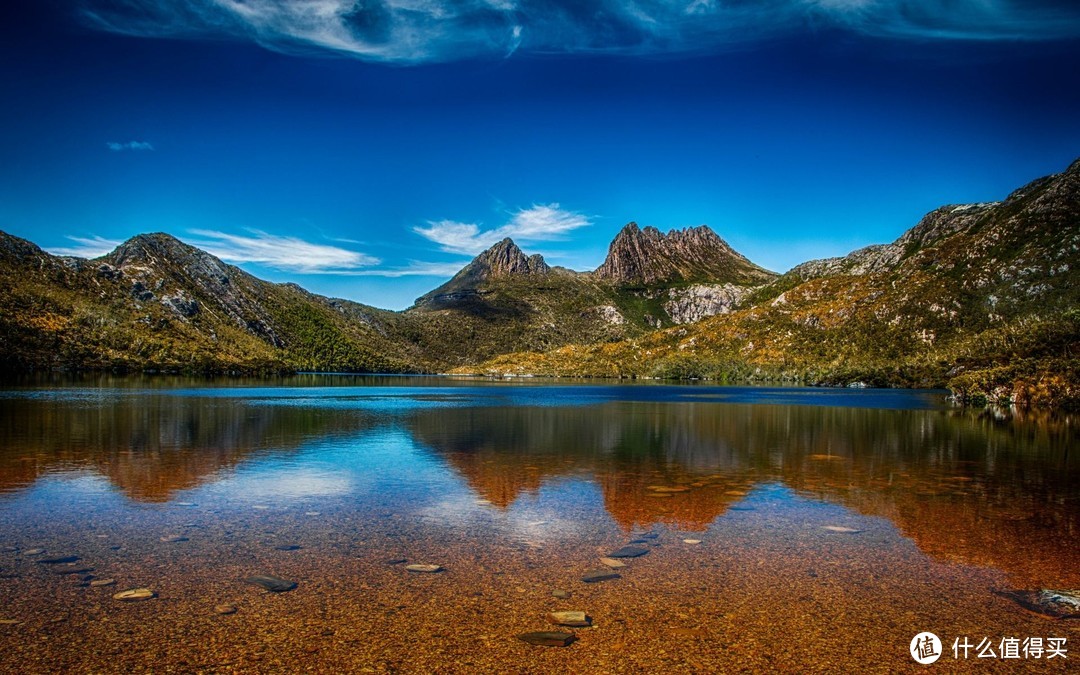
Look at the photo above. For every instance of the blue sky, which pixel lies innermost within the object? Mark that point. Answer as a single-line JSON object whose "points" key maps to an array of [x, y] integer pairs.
{"points": [[368, 150]]}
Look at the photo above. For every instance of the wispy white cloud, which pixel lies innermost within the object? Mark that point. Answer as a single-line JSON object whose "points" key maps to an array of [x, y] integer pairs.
{"points": [[414, 268], [437, 30], [86, 247], [290, 254], [136, 146], [538, 223]]}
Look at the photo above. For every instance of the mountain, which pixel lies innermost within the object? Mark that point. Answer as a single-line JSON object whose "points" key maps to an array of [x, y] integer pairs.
{"points": [[502, 261], [647, 257], [159, 304], [983, 298]]}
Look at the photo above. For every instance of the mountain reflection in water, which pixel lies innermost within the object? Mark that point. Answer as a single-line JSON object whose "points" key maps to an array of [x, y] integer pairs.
{"points": [[970, 487]]}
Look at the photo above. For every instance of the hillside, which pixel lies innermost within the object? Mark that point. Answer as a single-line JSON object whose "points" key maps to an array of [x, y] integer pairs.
{"points": [[156, 303], [982, 298]]}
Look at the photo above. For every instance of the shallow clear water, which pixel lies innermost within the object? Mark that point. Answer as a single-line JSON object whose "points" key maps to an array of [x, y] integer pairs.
{"points": [[834, 525]]}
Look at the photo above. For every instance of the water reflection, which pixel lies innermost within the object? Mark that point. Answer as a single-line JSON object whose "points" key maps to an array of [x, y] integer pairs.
{"points": [[990, 490], [980, 489], [151, 445]]}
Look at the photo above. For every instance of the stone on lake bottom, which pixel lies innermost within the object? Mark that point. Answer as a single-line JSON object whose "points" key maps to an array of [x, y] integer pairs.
{"points": [[287, 547], [593, 576], [58, 561], [225, 608], [669, 488], [841, 529], [612, 563], [570, 618], [1052, 603], [629, 552], [34, 551], [135, 594], [561, 594], [71, 568], [173, 538], [397, 561], [103, 582], [547, 638], [424, 569], [272, 584], [691, 541], [9, 622]]}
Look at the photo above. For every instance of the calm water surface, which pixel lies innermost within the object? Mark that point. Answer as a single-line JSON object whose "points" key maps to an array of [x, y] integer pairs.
{"points": [[832, 526]]}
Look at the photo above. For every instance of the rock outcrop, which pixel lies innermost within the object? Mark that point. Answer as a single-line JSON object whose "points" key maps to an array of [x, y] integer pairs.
{"points": [[648, 257]]}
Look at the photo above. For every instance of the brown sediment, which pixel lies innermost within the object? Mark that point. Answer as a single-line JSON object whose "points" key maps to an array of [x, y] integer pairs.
{"points": [[767, 592]]}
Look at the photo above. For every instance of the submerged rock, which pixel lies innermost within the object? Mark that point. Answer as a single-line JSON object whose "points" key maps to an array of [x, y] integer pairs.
{"points": [[629, 552], [272, 584], [547, 638], [841, 529], [59, 561], [103, 582], [225, 608], [1058, 604], [561, 594], [593, 576], [424, 569], [570, 618], [612, 563], [173, 538], [135, 594]]}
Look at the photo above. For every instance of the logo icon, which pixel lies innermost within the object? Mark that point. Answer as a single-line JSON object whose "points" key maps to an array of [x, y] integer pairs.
{"points": [[925, 648]]}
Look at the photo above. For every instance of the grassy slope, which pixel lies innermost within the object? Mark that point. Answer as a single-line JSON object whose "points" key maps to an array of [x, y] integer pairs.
{"points": [[990, 311]]}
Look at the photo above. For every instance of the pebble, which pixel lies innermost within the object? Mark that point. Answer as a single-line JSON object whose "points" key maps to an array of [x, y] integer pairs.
{"points": [[225, 608], [103, 582], [612, 563], [71, 568], [691, 541], [287, 547], [397, 561], [669, 488], [841, 529], [9, 622], [272, 584], [58, 561], [312, 513], [173, 538], [548, 638], [629, 552], [184, 503], [570, 618], [593, 576], [135, 594], [426, 569], [261, 507], [562, 594], [34, 551], [1057, 604]]}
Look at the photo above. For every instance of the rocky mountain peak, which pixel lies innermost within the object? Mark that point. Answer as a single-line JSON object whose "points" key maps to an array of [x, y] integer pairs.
{"points": [[505, 259], [648, 256]]}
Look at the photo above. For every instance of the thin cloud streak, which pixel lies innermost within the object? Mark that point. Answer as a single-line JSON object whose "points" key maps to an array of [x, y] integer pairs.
{"points": [[135, 146], [417, 31], [289, 254], [88, 247], [415, 268], [538, 223]]}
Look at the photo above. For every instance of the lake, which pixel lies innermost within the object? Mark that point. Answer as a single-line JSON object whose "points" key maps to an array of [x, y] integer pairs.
{"points": [[794, 530]]}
